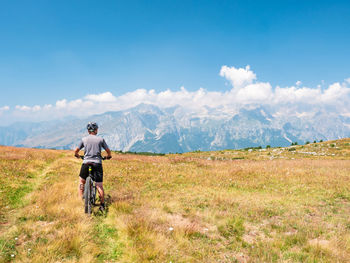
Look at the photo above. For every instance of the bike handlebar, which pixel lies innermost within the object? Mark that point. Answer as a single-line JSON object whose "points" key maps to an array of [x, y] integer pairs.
{"points": [[103, 157]]}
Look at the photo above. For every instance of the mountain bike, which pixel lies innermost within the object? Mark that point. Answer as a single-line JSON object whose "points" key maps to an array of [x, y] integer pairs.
{"points": [[90, 189]]}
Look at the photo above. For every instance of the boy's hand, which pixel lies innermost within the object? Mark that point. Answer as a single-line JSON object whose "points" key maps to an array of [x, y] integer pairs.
{"points": [[76, 152]]}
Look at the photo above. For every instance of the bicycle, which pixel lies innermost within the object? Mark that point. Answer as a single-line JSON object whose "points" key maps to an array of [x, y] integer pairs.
{"points": [[90, 189]]}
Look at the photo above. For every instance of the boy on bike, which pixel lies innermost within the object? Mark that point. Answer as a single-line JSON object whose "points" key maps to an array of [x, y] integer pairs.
{"points": [[92, 145]]}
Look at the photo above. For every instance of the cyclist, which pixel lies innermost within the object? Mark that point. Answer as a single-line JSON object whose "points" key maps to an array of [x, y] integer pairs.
{"points": [[92, 145]]}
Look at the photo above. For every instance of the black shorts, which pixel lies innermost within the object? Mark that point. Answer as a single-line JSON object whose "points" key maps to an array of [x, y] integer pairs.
{"points": [[97, 172]]}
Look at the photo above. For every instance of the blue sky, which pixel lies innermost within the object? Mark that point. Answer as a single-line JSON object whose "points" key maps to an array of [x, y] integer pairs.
{"points": [[55, 50]]}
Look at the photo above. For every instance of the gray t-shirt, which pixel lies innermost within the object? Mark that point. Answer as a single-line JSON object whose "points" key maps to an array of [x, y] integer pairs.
{"points": [[92, 145]]}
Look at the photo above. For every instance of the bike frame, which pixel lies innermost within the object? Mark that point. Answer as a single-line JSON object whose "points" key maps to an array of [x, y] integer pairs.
{"points": [[90, 189], [92, 186]]}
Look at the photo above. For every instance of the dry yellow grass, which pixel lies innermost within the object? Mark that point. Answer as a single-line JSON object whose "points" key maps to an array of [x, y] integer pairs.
{"points": [[274, 205]]}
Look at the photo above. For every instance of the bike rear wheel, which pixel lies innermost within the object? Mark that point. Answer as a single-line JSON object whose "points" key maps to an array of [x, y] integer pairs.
{"points": [[87, 195], [93, 195]]}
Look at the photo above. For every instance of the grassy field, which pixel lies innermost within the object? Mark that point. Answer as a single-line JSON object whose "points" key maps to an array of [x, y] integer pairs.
{"points": [[255, 205]]}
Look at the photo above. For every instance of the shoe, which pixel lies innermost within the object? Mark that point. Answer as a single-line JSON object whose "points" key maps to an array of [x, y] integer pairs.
{"points": [[102, 207]]}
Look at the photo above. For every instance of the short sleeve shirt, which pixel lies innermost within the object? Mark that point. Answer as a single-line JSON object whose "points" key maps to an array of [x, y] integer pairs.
{"points": [[92, 145]]}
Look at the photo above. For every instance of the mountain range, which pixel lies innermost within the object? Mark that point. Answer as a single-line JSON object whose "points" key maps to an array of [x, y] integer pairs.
{"points": [[148, 128]]}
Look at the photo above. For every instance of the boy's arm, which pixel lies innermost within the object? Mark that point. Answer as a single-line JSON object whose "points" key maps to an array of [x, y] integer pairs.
{"points": [[109, 154], [105, 146], [76, 152], [79, 147]]}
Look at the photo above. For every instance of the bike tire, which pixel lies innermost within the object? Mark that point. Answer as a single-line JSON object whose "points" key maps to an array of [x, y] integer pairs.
{"points": [[87, 196], [93, 194]]}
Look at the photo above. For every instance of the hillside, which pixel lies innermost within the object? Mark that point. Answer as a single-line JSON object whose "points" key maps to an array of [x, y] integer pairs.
{"points": [[288, 204]]}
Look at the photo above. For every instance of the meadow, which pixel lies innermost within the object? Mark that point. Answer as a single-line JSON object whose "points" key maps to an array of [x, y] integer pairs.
{"points": [[287, 204]]}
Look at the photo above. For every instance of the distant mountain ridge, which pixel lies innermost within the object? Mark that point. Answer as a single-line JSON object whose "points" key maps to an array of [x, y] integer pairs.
{"points": [[176, 129]]}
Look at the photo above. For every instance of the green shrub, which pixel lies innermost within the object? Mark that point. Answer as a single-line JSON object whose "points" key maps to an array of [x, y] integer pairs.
{"points": [[234, 227]]}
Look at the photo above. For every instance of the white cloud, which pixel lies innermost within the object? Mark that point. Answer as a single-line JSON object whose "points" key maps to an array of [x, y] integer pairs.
{"points": [[74, 103], [60, 104], [23, 108], [47, 106], [245, 91], [5, 108], [298, 83], [296, 95], [255, 93], [239, 77], [102, 97], [36, 108], [335, 92]]}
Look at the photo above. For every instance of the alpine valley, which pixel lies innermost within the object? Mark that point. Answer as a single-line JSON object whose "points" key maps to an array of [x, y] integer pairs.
{"points": [[148, 128]]}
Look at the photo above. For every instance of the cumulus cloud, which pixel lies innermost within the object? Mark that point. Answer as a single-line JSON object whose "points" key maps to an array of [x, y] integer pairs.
{"points": [[255, 93], [239, 77], [296, 95], [335, 92], [5, 108], [36, 108], [23, 108], [249, 91], [246, 91], [61, 104], [102, 97], [47, 106]]}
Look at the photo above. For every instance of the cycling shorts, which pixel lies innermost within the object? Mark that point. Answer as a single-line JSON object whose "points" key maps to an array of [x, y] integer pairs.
{"points": [[97, 172]]}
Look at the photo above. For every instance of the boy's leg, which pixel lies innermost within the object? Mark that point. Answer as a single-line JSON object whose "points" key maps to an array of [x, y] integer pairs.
{"points": [[84, 171], [98, 170], [81, 187], [100, 190]]}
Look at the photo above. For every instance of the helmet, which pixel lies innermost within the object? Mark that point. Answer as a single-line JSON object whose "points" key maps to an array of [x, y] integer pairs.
{"points": [[92, 126]]}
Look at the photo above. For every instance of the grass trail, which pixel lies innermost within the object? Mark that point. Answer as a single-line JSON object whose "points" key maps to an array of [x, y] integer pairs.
{"points": [[50, 225]]}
